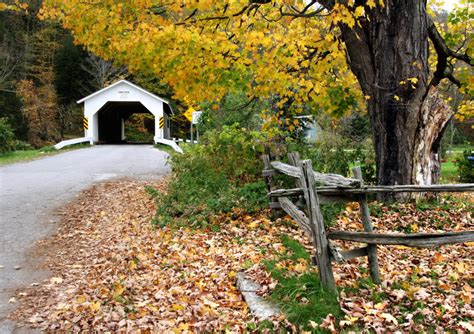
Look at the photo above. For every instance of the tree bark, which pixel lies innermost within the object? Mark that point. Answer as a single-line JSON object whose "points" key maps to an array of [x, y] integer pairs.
{"points": [[388, 53]]}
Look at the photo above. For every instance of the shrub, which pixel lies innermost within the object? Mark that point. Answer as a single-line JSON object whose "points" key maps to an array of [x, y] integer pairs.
{"points": [[7, 137], [333, 153], [234, 152], [21, 145], [465, 167], [138, 128], [231, 109], [221, 173]]}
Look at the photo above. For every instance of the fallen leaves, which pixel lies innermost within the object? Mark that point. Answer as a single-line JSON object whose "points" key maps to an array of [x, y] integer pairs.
{"points": [[389, 318], [114, 271], [56, 280], [425, 289]]}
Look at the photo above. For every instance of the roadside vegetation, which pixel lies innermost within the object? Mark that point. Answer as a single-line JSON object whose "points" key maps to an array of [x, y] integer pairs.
{"points": [[13, 150], [214, 177], [165, 148], [29, 154]]}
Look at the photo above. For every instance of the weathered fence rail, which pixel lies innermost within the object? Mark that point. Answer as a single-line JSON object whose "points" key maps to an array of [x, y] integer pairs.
{"points": [[418, 240], [328, 191], [313, 188], [327, 179]]}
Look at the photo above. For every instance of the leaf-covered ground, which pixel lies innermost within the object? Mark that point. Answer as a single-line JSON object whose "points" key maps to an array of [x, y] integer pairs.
{"points": [[114, 271], [422, 289]]}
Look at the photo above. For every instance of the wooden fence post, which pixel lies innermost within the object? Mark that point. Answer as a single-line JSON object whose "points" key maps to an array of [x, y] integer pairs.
{"points": [[294, 160], [318, 230], [367, 222], [268, 174]]}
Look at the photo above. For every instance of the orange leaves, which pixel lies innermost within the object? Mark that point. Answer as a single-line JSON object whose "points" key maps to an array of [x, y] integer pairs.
{"points": [[422, 289], [117, 290], [16, 6], [438, 257], [300, 267], [95, 306], [114, 271], [461, 267], [466, 294], [130, 276]]}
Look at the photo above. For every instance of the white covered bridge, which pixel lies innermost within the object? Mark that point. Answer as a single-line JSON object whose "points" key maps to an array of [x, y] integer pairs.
{"points": [[106, 111]]}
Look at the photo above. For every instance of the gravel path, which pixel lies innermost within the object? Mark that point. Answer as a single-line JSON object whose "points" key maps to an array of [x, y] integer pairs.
{"points": [[29, 193]]}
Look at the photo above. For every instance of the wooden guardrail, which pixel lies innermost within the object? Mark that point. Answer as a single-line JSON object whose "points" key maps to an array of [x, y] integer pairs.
{"points": [[313, 188]]}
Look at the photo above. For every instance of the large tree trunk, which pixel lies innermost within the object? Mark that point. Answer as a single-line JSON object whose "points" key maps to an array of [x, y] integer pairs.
{"points": [[389, 56]]}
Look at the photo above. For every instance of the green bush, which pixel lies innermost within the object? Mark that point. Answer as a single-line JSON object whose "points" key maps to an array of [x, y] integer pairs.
{"points": [[7, 137], [231, 109], [332, 153], [221, 173], [21, 145], [139, 128], [465, 167]]}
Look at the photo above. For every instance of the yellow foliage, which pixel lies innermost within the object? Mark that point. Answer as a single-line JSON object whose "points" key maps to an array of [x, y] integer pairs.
{"points": [[205, 49], [465, 110]]}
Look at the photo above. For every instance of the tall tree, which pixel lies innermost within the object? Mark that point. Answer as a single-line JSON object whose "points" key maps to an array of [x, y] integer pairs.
{"points": [[101, 72], [37, 91], [69, 77], [11, 69], [388, 52], [295, 52]]}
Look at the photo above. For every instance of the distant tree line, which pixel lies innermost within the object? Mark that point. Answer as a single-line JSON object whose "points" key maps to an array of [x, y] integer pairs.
{"points": [[42, 75]]}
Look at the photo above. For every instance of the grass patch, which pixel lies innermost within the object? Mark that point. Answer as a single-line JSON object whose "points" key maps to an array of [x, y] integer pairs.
{"points": [[449, 172], [18, 156], [456, 166], [297, 250], [164, 148], [301, 297], [303, 300], [28, 155], [194, 202]]}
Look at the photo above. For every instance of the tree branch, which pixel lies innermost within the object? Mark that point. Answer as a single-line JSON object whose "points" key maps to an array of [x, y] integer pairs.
{"points": [[443, 68], [223, 17]]}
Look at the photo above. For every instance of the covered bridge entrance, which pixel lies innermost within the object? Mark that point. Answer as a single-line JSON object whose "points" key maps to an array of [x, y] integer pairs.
{"points": [[106, 111]]}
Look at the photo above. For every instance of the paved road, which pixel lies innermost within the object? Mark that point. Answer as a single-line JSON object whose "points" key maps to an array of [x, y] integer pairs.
{"points": [[29, 193]]}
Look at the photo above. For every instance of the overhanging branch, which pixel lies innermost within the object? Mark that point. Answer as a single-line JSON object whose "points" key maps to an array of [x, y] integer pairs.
{"points": [[443, 68]]}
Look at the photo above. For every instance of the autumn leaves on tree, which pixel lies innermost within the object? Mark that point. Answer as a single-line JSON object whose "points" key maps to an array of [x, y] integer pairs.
{"points": [[322, 55]]}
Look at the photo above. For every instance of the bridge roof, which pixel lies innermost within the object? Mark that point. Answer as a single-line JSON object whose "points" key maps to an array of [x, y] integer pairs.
{"points": [[129, 84]]}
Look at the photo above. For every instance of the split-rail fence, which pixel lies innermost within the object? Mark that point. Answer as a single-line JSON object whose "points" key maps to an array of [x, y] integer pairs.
{"points": [[313, 188]]}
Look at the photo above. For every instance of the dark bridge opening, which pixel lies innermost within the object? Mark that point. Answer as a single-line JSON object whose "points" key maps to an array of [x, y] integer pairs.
{"points": [[113, 118]]}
